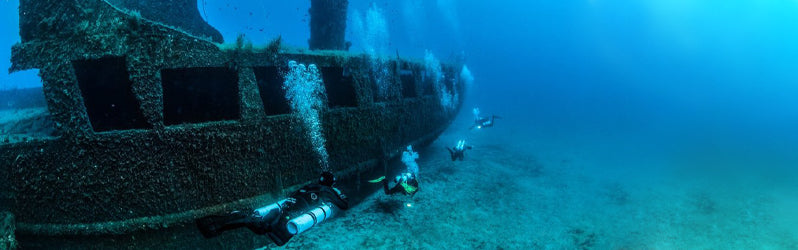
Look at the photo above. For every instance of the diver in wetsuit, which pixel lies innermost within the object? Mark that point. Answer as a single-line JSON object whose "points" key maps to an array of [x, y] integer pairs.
{"points": [[458, 151], [304, 208], [404, 183], [482, 122]]}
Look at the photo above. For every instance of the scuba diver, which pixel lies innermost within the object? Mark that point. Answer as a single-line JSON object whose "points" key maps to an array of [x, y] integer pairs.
{"points": [[404, 183], [458, 151], [482, 122], [282, 220]]}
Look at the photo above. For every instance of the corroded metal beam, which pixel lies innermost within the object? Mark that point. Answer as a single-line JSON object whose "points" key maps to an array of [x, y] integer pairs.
{"points": [[328, 25], [183, 14]]}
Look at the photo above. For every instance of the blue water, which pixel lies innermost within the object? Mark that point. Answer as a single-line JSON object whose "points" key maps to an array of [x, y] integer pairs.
{"points": [[693, 94]]}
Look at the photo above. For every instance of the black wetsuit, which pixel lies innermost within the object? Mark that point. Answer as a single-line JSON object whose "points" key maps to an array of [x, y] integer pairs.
{"points": [[411, 182], [304, 202], [274, 223], [458, 154], [484, 122]]}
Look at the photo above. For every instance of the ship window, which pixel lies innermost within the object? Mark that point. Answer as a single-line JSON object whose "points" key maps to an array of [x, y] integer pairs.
{"points": [[375, 88], [270, 84], [382, 81], [340, 91], [429, 89], [408, 83], [108, 94], [194, 95]]}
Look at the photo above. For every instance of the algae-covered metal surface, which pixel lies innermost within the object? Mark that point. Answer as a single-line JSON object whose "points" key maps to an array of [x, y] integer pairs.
{"points": [[157, 125]]}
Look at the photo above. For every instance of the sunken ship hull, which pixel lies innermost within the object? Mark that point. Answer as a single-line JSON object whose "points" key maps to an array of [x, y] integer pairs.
{"points": [[157, 127]]}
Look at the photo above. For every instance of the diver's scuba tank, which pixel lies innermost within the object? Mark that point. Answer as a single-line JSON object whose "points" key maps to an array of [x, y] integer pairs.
{"points": [[309, 219], [276, 207]]}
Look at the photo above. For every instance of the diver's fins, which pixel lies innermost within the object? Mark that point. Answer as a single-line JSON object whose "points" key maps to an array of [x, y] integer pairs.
{"points": [[377, 180], [214, 225]]}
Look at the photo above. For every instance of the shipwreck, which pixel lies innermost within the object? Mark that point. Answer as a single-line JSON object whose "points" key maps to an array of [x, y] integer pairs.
{"points": [[156, 123]]}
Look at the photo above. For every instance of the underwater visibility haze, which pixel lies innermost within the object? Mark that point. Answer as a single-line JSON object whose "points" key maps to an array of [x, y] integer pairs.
{"points": [[590, 124]]}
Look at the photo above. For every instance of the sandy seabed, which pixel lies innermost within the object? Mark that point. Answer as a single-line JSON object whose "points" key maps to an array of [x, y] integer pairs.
{"points": [[17, 125], [530, 195]]}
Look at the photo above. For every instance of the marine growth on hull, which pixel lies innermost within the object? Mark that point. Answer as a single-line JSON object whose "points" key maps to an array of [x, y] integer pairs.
{"points": [[147, 120]]}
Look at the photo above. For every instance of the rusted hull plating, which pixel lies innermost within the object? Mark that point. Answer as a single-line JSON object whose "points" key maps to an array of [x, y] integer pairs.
{"points": [[144, 147]]}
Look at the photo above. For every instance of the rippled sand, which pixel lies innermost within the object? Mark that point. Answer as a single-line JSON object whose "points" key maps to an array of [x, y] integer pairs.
{"points": [[514, 192]]}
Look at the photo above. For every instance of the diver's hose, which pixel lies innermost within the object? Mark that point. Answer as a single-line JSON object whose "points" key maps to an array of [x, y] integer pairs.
{"points": [[307, 220]]}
